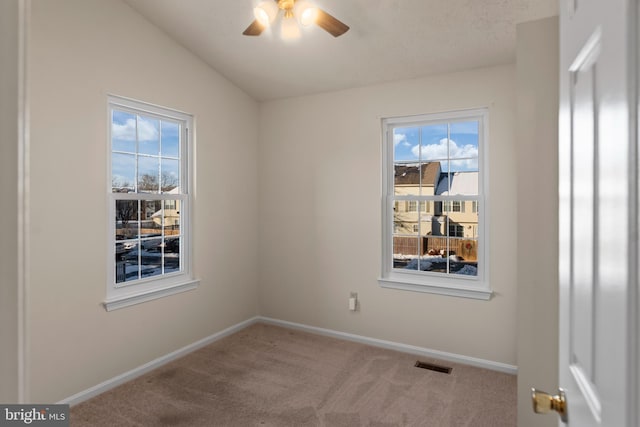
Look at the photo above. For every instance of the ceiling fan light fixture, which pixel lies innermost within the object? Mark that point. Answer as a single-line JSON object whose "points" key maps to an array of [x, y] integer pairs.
{"points": [[309, 16], [295, 11], [265, 12], [306, 13], [289, 29]]}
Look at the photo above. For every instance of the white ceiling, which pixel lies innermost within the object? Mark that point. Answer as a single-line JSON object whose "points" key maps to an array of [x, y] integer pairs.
{"points": [[388, 40]]}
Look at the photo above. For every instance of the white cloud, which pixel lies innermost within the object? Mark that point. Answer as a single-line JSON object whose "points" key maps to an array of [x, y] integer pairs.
{"points": [[439, 151], [147, 131], [400, 138]]}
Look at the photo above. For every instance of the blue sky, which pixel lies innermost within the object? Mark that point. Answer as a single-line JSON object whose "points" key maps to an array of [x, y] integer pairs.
{"points": [[152, 137], [463, 144]]}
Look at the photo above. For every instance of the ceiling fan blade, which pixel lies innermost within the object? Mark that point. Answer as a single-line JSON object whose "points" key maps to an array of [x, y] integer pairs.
{"points": [[330, 24], [255, 29]]}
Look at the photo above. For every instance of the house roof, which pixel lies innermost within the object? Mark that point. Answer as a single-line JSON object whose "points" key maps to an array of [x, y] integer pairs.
{"points": [[462, 183], [409, 174]]}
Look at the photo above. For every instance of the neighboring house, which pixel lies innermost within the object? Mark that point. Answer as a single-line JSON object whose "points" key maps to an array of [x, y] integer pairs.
{"points": [[171, 214], [462, 215], [413, 179], [452, 218]]}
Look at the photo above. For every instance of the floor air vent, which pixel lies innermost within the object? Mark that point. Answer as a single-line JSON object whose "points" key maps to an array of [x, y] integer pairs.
{"points": [[432, 367]]}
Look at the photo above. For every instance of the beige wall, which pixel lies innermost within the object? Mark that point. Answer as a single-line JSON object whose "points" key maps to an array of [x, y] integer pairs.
{"points": [[9, 37], [319, 215], [82, 50], [537, 136]]}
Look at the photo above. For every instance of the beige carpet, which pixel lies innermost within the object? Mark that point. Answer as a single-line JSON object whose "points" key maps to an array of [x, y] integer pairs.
{"points": [[270, 376]]}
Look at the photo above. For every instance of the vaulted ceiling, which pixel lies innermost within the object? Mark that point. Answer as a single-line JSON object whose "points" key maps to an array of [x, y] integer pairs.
{"points": [[388, 40]]}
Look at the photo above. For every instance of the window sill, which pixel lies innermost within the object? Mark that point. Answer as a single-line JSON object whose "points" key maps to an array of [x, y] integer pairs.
{"points": [[463, 291], [126, 300]]}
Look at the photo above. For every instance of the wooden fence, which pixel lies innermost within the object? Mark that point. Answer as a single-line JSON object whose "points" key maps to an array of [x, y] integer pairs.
{"points": [[466, 248], [168, 231]]}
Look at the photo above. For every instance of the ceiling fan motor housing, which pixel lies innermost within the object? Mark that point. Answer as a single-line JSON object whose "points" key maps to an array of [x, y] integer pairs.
{"points": [[286, 5]]}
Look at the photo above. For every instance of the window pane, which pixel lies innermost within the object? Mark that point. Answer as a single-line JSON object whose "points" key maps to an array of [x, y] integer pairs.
{"points": [[127, 268], [458, 184], [148, 172], [170, 139], [406, 242], [461, 220], [434, 143], [150, 257], [148, 135], [463, 258], [434, 256], [405, 251], [406, 144], [123, 172], [150, 218], [406, 179], [170, 176], [171, 217], [463, 144], [126, 219], [429, 176], [172, 254], [127, 230], [462, 230], [467, 249], [123, 131], [426, 219]]}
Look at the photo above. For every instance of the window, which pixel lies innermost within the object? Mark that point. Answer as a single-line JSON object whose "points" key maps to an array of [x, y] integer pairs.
{"points": [[456, 230], [453, 206], [438, 160], [148, 201]]}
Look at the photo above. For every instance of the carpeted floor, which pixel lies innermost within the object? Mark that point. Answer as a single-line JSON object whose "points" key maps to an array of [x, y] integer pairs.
{"points": [[271, 376]]}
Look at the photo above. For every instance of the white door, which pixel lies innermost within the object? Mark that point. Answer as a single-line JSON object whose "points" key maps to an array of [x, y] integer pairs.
{"points": [[598, 216]]}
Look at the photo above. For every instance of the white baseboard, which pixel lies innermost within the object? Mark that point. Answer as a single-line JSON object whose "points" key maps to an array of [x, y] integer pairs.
{"points": [[156, 363], [405, 348]]}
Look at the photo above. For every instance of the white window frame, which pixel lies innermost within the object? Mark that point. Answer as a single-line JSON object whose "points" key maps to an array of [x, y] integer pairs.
{"points": [[124, 294], [476, 287]]}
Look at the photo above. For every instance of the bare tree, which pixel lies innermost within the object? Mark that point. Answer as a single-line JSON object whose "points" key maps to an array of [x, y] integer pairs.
{"points": [[148, 182], [126, 210], [168, 181], [119, 186]]}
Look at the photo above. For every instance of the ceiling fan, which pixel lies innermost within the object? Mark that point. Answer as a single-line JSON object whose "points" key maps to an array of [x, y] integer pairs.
{"points": [[294, 10]]}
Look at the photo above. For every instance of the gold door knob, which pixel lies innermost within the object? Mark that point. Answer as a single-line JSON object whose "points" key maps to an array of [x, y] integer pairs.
{"points": [[544, 403]]}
